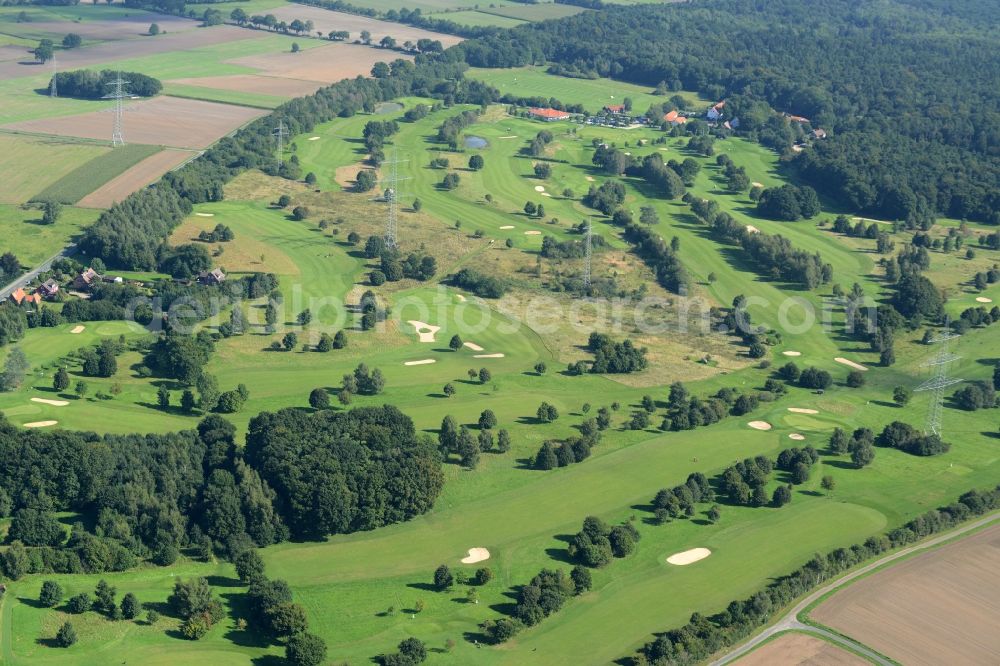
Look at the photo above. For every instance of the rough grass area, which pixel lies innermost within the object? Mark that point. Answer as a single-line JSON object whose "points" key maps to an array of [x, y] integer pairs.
{"points": [[23, 233], [88, 177], [477, 19]]}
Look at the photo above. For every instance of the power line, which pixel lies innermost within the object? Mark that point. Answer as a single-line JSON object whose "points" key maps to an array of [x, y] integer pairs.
{"points": [[588, 250], [119, 95], [391, 195], [280, 133], [939, 382]]}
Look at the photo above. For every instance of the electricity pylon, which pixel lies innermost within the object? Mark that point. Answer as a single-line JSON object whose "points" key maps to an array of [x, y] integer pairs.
{"points": [[939, 382], [587, 252], [391, 195], [280, 133], [119, 94]]}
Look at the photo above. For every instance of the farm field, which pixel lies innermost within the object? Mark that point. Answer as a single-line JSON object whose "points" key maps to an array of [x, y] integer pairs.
{"points": [[593, 94], [537, 12], [793, 649], [141, 174], [30, 240], [476, 18], [166, 121], [94, 174], [935, 607], [32, 164], [326, 21]]}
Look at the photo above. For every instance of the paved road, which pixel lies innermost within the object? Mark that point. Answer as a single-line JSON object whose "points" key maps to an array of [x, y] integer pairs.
{"points": [[790, 620], [7, 290]]}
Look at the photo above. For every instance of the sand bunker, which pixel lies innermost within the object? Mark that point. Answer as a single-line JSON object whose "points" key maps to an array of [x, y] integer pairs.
{"points": [[424, 361], [532, 233], [792, 353], [488, 356], [590, 179], [689, 556], [425, 332], [205, 214], [476, 555], [314, 138], [983, 299], [850, 364], [539, 188], [760, 425], [512, 136], [803, 410], [78, 329], [54, 403], [546, 194], [40, 424], [797, 437], [752, 229], [473, 346], [756, 184], [507, 226], [460, 297]]}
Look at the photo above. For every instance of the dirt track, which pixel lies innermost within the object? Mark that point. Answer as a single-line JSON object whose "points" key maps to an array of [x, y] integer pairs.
{"points": [[941, 607], [798, 649], [161, 121], [142, 174]]}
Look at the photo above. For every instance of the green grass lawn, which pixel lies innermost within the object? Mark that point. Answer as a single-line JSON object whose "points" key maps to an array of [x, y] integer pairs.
{"points": [[88, 177], [31, 164], [537, 12], [257, 100], [477, 19], [31, 241], [593, 94], [522, 516]]}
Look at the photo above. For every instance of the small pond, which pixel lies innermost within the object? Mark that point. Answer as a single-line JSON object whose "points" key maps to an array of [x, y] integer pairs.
{"points": [[388, 107], [475, 142]]}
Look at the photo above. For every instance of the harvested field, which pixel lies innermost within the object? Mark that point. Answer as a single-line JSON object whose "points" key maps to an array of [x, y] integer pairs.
{"points": [[326, 21], [323, 64], [166, 121], [142, 174], [111, 51], [116, 29], [940, 607], [253, 83], [94, 174], [793, 649]]}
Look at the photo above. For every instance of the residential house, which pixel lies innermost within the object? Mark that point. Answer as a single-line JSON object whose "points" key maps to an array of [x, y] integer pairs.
{"points": [[48, 289], [798, 119], [85, 280], [615, 108], [716, 111], [674, 118], [21, 297], [819, 134], [212, 277], [549, 115]]}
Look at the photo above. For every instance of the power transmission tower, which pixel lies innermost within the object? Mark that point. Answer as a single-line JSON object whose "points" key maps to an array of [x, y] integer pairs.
{"points": [[588, 250], [119, 94], [53, 86], [280, 133], [939, 382], [391, 195]]}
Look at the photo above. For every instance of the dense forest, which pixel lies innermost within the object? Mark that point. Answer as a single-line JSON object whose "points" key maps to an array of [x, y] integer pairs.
{"points": [[148, 496], [88, 84], [898, 86]]}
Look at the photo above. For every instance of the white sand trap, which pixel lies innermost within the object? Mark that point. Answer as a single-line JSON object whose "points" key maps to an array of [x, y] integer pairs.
{"points": [[507, 226], [512, 136], [752, 229], [689, 556], [476, 555], [756, 184], [487, 356], [532, 233], [473, 346], [423, 361], [851, 364], [797, 437], [590, 179], [802, 410], [54, 403], [546, 194], [983, 299], [460, 297], [539, 188], [78, 329], [205, 214], [40, 424], [792, 353], [425, 331], [760, 425], [314, 138]]}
